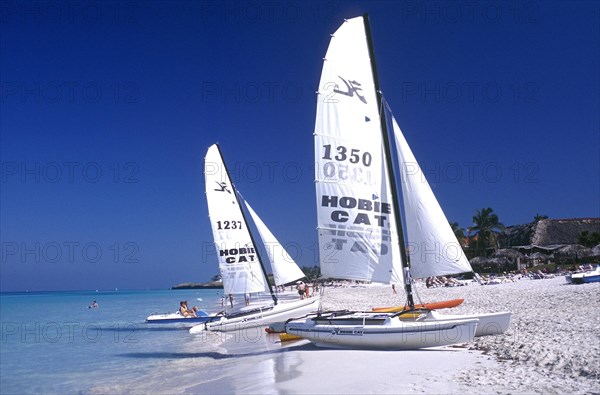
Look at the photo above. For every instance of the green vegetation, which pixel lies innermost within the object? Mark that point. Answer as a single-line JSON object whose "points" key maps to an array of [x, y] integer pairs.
{"points": [[459, 232], [588, 239], [312, 273], [486, 227]]}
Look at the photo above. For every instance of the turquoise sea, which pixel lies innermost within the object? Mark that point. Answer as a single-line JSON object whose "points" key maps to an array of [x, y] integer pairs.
{"points": [[52, 342]]}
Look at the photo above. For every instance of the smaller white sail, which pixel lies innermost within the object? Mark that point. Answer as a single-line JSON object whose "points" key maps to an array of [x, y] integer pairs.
{"points": [[432, 246], [238, 260], [285, 269]]}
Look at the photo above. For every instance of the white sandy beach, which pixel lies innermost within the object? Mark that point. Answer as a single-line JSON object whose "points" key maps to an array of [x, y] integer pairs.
{"points": [[553, 342], [552, 346]]}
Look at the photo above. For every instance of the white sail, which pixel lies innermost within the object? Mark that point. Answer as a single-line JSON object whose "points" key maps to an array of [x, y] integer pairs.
{"points": [[433, 247], [285, 269], [238, 261], [357, 230]]}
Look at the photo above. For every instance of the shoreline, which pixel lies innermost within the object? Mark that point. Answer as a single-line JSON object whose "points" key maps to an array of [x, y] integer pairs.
{"points": [[552, 346]]}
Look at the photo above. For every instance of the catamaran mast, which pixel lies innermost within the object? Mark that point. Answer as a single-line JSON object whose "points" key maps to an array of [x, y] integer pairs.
{"points": [[390, 167], [260, 261]]}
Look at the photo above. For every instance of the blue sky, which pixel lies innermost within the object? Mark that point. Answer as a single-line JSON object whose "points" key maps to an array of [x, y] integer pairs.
{"points": [[108, 108]]}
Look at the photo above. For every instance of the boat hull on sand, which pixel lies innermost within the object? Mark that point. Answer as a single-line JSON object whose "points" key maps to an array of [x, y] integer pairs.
{"points": [[381, 331], [489, 323], [260, 317], [584, 278], [446, 304]]}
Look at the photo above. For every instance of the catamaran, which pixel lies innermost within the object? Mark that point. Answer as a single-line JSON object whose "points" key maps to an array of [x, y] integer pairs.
{"points": [[240, 261], [359, 214], [179, 319]]}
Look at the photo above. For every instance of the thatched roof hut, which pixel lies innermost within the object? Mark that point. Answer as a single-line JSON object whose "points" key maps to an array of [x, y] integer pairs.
{"points": [[481, 263], [547, 232], [563, 231], [538, 257]]}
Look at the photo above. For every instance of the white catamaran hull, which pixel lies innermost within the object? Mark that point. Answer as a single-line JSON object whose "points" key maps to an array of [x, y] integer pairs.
{"points": [[382, 331], [177, 318], [591, 276], [264, 317], [489, 323]]}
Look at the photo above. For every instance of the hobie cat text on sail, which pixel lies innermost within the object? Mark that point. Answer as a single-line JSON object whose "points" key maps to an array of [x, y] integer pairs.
{"points": [[359, 204], [238, 255]]}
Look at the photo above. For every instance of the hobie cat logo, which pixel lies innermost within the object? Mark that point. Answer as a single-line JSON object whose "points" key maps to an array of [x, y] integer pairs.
{"points": [[353, 87], [222, 187]]}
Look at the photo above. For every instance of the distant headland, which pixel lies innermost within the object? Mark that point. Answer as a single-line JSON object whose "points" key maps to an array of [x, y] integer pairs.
{"points": [[208, 285]]}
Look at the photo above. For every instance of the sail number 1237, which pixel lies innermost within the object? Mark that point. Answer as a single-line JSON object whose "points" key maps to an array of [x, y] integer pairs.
{"points": [[229, 225]]}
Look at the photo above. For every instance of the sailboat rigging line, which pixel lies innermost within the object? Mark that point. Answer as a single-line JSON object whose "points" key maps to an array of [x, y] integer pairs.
{"points": [[260, 261], [389, 164], [418, 297]]}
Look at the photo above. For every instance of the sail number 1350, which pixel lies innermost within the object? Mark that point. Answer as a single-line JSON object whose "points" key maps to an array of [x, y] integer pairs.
{"points": [[354, 156]]}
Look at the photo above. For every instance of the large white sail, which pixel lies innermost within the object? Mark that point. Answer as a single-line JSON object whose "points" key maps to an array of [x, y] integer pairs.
{"points": [[285, 269], [238, 260], [357, 230], [433, 247]]}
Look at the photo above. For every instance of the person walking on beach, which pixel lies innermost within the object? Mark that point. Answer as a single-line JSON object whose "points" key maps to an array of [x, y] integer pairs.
{"points": [[301, 288]]}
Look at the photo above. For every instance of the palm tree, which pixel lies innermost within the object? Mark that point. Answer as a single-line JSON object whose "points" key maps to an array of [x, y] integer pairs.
{"points": [[486, 225], [587, 239], [539, 217]]}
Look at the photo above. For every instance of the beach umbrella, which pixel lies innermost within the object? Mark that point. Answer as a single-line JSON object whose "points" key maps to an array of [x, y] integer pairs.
{"points": [[507, 253], [573, 251], [478, 260], [538, 256]]}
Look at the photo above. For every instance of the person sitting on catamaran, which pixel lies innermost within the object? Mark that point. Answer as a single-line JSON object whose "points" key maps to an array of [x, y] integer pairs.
{"points": [[184, 311]]}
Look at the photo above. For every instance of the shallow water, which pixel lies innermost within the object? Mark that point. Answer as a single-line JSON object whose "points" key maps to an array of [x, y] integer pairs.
{"points": [[52, 342]]}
